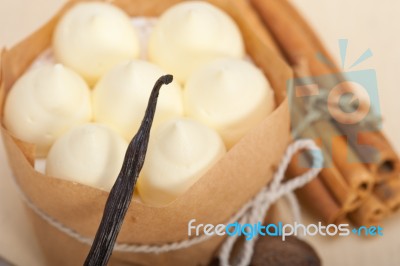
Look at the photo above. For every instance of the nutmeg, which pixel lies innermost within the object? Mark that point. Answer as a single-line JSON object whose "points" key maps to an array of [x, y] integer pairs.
{"points": [[272, 251]]}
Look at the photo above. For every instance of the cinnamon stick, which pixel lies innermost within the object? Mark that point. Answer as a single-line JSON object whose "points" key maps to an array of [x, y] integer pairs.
{"points": [[297, 39], [382, 161], [287, 33], [290, 10], [388, 163], [346, 197], [343, 157], [315, 194], [355, 173], [371, 212], [371, 146], [388, 192]]}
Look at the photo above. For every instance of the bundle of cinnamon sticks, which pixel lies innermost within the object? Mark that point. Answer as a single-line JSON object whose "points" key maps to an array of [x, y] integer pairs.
{"points": [[357, 184]]}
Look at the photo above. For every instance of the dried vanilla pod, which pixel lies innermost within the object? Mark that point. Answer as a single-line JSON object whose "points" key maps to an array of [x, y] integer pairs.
{"points": [[121, 193]]}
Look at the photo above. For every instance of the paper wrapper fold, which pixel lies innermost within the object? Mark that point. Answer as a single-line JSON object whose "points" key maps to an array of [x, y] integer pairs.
{"points": [[239, 175]]}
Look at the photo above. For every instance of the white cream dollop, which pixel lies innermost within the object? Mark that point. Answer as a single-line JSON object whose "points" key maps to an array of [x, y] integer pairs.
{"points": [[230, 95], [120, 97], [190, 34], [180, 151], [93, 37], [44, 103], [90, 154]]}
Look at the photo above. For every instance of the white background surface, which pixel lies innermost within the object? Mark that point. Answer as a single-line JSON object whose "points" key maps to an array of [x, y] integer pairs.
{"points": [[366, 23]]}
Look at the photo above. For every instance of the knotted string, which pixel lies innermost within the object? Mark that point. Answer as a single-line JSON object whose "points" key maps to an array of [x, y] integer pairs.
{"points": [[317, 108], [259, 205]]}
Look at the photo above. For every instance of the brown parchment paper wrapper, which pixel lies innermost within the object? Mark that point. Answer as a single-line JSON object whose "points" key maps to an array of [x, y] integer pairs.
{"points": [[239, 175]]}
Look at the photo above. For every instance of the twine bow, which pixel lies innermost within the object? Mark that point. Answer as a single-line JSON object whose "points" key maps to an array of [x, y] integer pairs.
{"points": [[255, 210], [317, 109]]}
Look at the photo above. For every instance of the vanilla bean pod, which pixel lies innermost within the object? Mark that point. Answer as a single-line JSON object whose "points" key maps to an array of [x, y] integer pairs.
{"points": [[121, 193]]}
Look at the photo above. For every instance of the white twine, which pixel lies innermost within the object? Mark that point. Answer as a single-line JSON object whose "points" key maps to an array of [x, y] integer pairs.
{"points": [[260, 204], [252, 212]]}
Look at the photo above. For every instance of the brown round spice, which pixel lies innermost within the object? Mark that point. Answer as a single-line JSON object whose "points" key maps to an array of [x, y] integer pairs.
{"points": [[272, 251]]}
